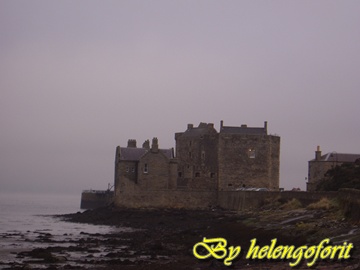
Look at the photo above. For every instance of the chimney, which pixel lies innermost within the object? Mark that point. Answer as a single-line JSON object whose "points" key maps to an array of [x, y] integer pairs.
{"points": [[190, 126], [221, 124], [318, 153], [154, 145], [244, 126], [265, 126], [146, 145], [131, 143]]}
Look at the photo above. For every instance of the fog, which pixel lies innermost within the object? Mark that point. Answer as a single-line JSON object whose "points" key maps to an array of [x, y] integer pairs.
{"points": [[78, 78]]}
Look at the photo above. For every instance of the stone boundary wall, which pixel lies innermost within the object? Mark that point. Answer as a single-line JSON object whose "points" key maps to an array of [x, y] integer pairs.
{"points": [[350, 203], [247, 200], [168, 199], [235, 200], [349, 199], [95, 199]]}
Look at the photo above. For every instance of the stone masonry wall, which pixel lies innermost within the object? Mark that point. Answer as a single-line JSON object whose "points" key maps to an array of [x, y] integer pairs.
{"points": [[246, 200], [196, 151], [350, 203], [125, 171], [274, 161], [167, 199], [248, 161], [317, 170], [232, 200], [154, 171]]}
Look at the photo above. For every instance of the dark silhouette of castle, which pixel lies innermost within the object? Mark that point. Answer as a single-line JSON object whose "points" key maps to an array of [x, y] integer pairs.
{"points": [[206, 162]]}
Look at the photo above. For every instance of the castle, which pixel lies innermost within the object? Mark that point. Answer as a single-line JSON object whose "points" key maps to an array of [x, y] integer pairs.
{"points": [[204, 163]]}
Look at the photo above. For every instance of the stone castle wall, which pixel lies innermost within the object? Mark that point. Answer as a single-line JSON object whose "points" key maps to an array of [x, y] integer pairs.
{"points": [[154, 171], [234, 200], [258, 156], [196, 150], [134, 198], [247, 200]]}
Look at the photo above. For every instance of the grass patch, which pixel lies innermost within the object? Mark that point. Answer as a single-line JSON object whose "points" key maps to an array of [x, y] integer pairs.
{"points": [[301, 226], [292, 205], [323, 204]]}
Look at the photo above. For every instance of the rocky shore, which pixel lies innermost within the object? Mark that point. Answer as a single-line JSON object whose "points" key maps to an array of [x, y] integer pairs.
{"points": [[164, 239]]}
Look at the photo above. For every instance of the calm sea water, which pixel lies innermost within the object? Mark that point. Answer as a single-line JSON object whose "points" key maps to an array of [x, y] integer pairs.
{"points": [[23, 217], [20, 211]]}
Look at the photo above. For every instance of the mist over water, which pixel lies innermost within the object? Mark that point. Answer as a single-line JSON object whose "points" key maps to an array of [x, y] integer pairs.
{"points": [[20, 211], [24, 218]]}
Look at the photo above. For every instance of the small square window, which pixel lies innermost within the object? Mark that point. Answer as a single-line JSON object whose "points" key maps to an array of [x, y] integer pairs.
{"points": [[146, 168]]}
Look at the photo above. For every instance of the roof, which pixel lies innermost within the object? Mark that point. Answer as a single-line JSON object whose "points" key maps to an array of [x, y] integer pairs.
{"points": [[244, 130], [339, 157], [134, 154]]}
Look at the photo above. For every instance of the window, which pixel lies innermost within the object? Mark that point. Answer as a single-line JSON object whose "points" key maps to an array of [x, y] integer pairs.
{"points": [[133, 169], [146, 168], [197, 174], [127, 169], [251, 153], [190, 154], [180, 174], [203, 155], [212, 175]]}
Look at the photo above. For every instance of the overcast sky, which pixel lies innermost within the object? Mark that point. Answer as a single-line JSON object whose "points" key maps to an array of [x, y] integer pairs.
{"points": [[78, 78]]}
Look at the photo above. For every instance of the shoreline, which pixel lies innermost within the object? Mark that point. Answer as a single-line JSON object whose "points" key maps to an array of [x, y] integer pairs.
{"points": [[164, 239]]}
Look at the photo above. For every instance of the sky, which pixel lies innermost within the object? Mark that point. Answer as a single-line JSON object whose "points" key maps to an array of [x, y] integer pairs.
{"points": [[78, 78]]}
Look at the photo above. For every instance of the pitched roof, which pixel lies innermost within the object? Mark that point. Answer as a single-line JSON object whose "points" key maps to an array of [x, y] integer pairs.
{"points": [[131, 153], [169, 153], [339, 157], [134, 154]]}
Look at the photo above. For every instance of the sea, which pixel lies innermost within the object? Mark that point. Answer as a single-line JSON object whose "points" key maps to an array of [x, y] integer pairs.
{"points": [[25, 217]]}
